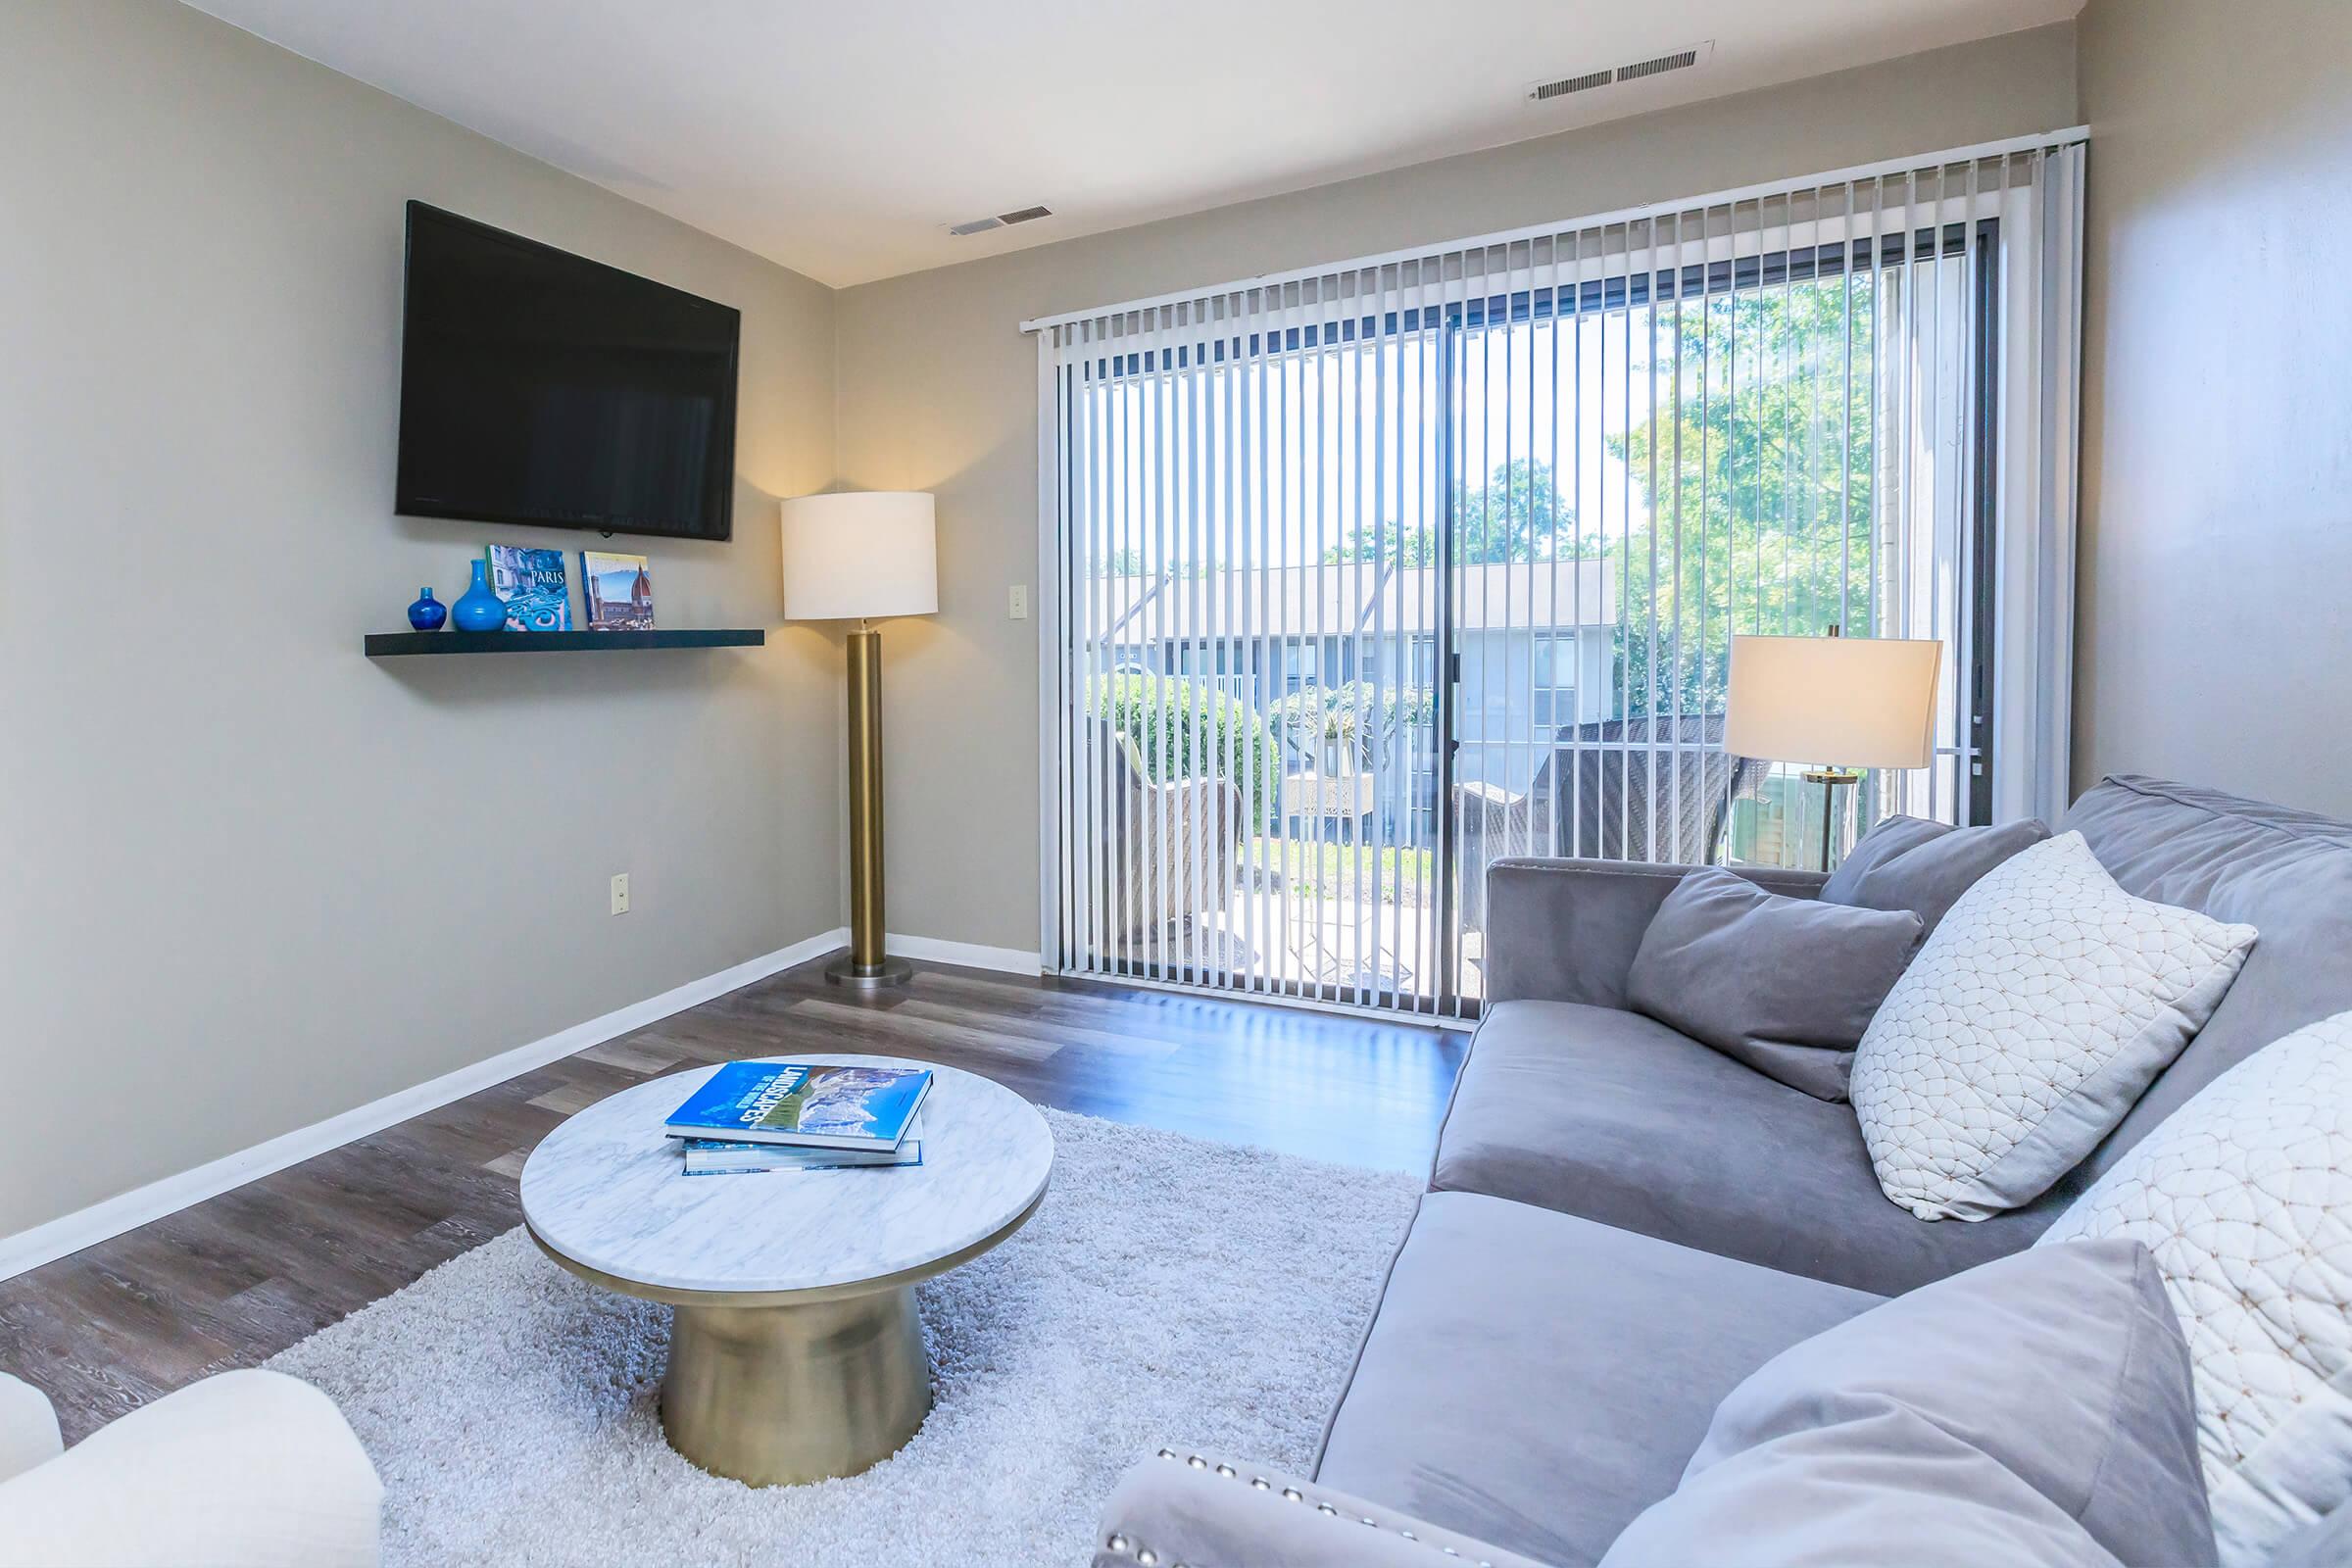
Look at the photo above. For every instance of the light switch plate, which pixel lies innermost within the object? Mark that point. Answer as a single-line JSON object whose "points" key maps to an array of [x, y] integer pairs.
{"points": [[621, 894], [1019, 609]]}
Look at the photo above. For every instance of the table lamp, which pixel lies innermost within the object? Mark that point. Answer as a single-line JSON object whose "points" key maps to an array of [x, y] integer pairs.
{"points": [[856, 555], [1851, 702]]}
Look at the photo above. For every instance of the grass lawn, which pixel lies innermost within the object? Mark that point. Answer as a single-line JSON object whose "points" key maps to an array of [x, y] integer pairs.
{"points": [[1338, 870]]}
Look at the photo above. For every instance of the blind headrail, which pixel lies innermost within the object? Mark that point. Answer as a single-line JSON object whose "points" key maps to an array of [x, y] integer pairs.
{"points": [[1857, 175]]}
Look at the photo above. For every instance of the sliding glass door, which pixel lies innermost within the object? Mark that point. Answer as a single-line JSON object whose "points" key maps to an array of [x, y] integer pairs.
{"points": [[1781, 443], [1362, 580], [1250, 779]]}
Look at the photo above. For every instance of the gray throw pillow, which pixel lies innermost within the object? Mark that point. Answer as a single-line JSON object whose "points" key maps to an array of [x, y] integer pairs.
{"points": [[2028, 1410], [1906, 863], [1785, 985]]}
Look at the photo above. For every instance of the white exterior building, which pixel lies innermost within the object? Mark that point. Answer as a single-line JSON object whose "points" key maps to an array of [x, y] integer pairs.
{"points": [[1534, 639]]}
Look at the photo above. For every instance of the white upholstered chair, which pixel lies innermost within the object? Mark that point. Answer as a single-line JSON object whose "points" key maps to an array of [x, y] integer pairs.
{"points": [[252, 1468]]}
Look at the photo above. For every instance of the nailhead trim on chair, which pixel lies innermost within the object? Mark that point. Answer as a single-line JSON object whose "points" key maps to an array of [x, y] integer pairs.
{"points": [[1127, 1545]]}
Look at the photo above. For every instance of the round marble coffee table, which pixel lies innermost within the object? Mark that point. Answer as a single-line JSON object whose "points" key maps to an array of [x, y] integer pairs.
{"points": [[796, 1352]]}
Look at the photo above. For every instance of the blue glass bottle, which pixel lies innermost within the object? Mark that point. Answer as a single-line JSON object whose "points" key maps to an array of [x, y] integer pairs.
{"points": [[478, 609], [427, 613]]}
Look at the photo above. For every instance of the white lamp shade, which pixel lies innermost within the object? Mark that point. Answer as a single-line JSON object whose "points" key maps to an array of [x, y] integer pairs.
{"points": [[859, 554], [1834, 701]]}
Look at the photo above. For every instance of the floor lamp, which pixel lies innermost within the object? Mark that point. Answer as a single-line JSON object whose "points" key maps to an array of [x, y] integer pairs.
{"points": [[859, 555], [1853, 701]]}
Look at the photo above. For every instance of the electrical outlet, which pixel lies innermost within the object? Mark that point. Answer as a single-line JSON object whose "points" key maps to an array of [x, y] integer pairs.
{"points": [[621, 894], [1020, 600]]}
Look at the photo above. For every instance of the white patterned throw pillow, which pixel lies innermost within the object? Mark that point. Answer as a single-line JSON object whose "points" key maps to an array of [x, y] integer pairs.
{"points": [[2244, 1196], [2037, 1012]]}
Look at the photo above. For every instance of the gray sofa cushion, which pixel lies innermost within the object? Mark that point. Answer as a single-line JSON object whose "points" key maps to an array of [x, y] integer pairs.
{"points": [[1567, 930], [2286, 873], [1785, 985], [2037, 1409], [1907, 863], [1536, 1380], [1619, 1118]]}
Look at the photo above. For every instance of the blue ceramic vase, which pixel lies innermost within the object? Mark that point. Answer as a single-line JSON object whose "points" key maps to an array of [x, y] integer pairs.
{"points": [[478, 609], [427, 613]]}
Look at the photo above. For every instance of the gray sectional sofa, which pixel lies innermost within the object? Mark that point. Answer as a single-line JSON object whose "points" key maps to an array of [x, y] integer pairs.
{"points": [[1622, 1224]]}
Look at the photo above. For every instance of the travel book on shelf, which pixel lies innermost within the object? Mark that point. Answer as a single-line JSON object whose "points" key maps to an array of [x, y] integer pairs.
{"points": [[618, 590], [531, 583], [804, 1105], [712, 1156]]}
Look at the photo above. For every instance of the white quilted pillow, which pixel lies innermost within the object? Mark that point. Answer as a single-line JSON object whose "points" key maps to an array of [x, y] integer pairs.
{"points": [[2035, 1015], [2244, 1194]]}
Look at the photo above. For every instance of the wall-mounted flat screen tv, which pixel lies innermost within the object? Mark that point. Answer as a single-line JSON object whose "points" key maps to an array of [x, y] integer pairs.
{"points": [[540, 387]]}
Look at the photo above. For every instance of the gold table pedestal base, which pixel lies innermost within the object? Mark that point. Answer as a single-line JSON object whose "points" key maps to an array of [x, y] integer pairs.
{"points": [[774, 1395]]}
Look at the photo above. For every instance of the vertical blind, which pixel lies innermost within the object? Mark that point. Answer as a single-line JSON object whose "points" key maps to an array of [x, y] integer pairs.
{"points": [[1359, 578]]}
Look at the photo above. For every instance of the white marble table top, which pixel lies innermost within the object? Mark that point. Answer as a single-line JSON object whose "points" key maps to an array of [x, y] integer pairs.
{"points": [[606, 1189]]}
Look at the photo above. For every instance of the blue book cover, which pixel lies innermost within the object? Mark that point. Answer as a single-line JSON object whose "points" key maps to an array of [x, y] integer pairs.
{"points": [[810, 1107], [733, 1098], [531, 583]]}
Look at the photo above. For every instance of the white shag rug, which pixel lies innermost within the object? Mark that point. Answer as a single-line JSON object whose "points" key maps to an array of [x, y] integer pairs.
{"points": [[1168, 1291]]}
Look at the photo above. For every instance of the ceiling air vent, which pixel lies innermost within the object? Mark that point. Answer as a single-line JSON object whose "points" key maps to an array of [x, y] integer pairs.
{"points": [[981, 226], [1679, 60], [1614, 76], [1543, 91]]}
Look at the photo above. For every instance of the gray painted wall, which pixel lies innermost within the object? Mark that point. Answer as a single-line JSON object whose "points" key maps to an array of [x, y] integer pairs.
{"points": [[2216, 587], [938, 391], [253, 879]]}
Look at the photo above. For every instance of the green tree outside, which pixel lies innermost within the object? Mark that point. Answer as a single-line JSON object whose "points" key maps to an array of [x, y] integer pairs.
{"points": [[1757, 471], [1757, 475], [1518, 514]]}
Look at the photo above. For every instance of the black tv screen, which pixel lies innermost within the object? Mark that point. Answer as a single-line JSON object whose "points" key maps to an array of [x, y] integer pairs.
{"points": [[541, 387]]}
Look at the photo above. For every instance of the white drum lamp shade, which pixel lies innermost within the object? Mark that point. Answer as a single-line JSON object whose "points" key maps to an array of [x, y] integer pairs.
{"points": [[859, 555], [1843, 701]]}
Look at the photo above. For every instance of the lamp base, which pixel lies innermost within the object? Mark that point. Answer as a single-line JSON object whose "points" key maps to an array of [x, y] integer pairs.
{"points": [[848, 971], [1829, 778]]}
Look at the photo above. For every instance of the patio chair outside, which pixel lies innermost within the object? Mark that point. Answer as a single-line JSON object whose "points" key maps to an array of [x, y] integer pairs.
{"points": [[1168, 850], [1599, 805]]}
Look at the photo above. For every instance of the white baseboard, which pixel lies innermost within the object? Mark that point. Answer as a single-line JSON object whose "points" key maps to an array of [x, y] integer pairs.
{"points": [[970, 954], [71, 1233]]}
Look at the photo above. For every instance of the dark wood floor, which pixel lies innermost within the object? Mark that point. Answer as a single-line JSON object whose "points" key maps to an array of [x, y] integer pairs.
{"points": [[238, 1278]]}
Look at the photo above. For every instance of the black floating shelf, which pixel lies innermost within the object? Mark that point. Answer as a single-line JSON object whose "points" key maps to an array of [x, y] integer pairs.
{"points": [[394, 644]]}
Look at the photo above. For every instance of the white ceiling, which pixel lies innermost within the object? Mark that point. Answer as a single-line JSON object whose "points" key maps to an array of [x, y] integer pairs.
{"points": [[841, 140]]}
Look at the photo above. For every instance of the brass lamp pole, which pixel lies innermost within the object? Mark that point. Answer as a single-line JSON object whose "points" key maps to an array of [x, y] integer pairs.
{"points": [[858, 555], [1830, 779], [867, 964]]}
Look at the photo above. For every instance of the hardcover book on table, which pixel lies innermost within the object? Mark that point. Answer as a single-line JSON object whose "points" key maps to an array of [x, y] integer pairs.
{"points": [[805, 1106], [712, 1156]]}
